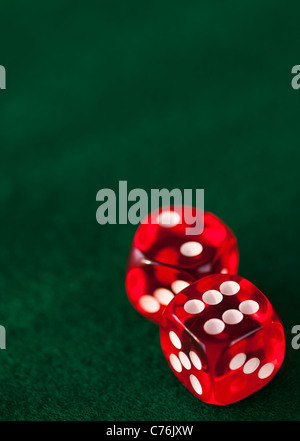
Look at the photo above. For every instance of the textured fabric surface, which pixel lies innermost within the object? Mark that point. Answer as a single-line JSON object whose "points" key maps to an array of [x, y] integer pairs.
{"points": [[168, 94]]}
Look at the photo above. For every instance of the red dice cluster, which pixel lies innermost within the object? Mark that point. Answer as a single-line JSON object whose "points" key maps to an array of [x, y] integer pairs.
{"points": [[219, 333]]}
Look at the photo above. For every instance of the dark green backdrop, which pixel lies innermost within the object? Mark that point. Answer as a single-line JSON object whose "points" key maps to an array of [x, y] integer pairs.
{"points": [[162, 94]]}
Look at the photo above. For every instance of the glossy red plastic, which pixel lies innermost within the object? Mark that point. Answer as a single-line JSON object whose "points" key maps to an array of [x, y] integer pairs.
{"points": [[222, 338]]}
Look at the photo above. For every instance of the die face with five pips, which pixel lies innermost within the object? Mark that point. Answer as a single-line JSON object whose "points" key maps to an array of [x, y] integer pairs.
{"points": [[164, 259], [222, 338]]}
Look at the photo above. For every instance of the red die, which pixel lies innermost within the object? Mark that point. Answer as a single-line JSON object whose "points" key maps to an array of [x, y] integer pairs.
{"points": [[222, 338], [164, 259]]}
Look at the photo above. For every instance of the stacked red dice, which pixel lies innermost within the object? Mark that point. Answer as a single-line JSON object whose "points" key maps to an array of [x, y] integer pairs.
{"points": [[164, 259], [219, 333]]}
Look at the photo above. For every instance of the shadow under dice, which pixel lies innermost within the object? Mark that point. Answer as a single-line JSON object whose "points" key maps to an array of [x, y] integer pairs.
{"points": [[163, 257], [222, 338]]}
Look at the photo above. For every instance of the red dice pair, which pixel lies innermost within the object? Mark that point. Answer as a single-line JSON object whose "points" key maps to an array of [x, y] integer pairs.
{"points": [[220, 334]]}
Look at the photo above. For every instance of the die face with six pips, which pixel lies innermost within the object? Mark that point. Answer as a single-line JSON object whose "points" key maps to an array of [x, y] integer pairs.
{"points": [[222, 338]]}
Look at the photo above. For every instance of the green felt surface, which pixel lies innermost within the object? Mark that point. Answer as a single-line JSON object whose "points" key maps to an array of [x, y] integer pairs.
{"points": [[161, 94]]}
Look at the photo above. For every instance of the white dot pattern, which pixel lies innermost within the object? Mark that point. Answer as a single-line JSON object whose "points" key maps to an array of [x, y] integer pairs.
{"points": [[212, 297], [266, 370], [195, 360], [184, 360], [232, 317], [168, 219], [196, 384], [237, 361], [149, 303], [175, 363], [249, 307], [179, 285], [251, 365], [194, 306], [229, 288], [163, 295], [175, 340], [214, 326], [191, 249]]}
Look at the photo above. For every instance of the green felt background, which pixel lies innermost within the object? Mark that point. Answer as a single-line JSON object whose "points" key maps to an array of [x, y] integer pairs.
{"points": [[162, 94]]}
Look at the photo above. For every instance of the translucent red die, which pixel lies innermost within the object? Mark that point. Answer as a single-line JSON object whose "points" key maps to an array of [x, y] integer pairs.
{"points": [[164, 259], [222, 338]]}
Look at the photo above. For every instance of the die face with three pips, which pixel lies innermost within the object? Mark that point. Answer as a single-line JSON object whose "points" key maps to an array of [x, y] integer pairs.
{"points": [[164, 259], [222, 338]]}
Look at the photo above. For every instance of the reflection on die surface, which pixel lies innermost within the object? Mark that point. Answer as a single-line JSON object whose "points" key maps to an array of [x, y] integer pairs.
{"points": [[222, 338], [164, 259]]}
